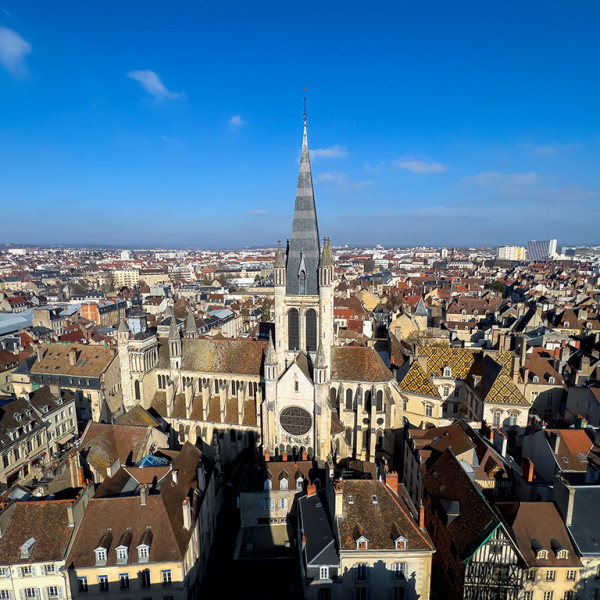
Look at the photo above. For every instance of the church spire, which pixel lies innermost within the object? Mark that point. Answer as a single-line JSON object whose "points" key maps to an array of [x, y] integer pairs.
{"points": [[304, 250]]}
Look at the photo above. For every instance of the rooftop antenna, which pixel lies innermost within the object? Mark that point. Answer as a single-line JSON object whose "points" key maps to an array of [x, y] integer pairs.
{"points": [[304, 115]]}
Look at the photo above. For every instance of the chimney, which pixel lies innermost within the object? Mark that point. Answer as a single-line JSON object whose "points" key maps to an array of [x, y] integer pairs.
{"points": [[40, 353], [555, 441], [70, 515], [339, 499], [421, 516], [311, 489], [284, 457], [304, 455], [175, 475], [516, 364], [391, 480], [525, 375], [267, 456], [528, 470], [144, 495], [72, 356], [201, 477], [187, 513], [113, 467], [422, 360], [499, 441]]}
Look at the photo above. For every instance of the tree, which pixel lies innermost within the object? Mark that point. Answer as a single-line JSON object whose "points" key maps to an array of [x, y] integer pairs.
{"points": [[369, 265], [265, 316], [496, 286]]}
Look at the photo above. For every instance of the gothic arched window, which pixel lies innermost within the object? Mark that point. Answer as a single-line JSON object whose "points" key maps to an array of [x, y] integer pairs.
{"points": [[311, 330], [293, 330], [348, 399]]}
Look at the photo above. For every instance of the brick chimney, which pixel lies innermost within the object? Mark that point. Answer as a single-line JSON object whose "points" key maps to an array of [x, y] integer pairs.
{"points": [[555, 441], [311, 489], [421, 516], [339, 499], [391, 480], [528, 470], [267, 456], [144, 495]]}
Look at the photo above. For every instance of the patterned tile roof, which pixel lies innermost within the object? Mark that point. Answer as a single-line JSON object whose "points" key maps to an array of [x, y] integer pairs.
{"points": [[460, 360], [496, 384], [417, 382]]}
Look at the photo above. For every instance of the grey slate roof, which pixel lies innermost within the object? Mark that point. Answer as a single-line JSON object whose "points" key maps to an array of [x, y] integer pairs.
{"points": [[304, 249], [320, 541]]}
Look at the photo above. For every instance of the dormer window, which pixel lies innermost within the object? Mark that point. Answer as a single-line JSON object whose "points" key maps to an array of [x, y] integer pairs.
{"points": [[447, 372], [562, 554], [121, 556], [143, 547], [17, 417], [268, 483], [362, 543], [100, 557], [551, 380], [536, 379], [143, 553], [401, 543], [542, 554], [566, 324], [45, 409]]}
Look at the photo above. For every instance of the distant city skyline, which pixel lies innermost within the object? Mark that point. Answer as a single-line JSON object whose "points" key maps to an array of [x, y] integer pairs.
{"points": [[132, 125]]}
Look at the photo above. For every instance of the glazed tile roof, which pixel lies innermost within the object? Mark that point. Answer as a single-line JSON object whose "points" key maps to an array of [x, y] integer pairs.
{"points": [[358, 363], [416, 381], [460, 360], [496, 385]]}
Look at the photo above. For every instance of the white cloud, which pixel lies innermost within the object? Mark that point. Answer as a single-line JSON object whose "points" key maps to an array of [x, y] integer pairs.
{"points": [[331, 152], [421, 166], [236, 121], [548, 150], [340, 181], [152, 83], [258, 211], [13, 50], [501, 181]]}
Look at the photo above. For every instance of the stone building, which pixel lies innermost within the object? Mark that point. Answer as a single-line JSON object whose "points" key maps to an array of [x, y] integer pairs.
{"points": [[299, 393]]}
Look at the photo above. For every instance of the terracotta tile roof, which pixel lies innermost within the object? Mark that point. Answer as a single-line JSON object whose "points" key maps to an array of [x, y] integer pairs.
{"points": [[214, 409], [440, 438], [574, 444], [101, 443], [254, 476], [416, 381], [447, 480], [45, 520], [540, 521], [90, 360], [380, 523], [358, 363]]}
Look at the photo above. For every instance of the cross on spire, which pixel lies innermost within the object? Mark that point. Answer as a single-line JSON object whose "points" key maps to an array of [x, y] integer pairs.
{"points": [[304, 115]]}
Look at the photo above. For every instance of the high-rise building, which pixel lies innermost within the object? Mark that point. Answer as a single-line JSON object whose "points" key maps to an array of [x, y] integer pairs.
{"points": [[511, 252], [540, 251]]}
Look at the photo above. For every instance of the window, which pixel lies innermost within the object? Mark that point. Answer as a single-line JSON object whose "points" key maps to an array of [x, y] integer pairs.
{"points": [[52, 591], [268, 484], [447, 372], [299, 483], [536, 379], [362, 545], [571, 575], [49, 569], [534, 396], [4, 595], [399, 570], [360, 572], [551, 380], [82, 584], [455, 408], [428, 410], [446, 391], [400, 543], [527, 595], [569, 595], [143, 553], [283, 484], [26, 571], [145, 578], [512, 419], [30, 592], [124, 581], [324, 573], [100, 556], [103, 583], [400, 593], [548, 595], [283, 503], [550, 575], [296, 387], [361, 593], [166, 577], [530, 575], [121, 555], [496, 419]]}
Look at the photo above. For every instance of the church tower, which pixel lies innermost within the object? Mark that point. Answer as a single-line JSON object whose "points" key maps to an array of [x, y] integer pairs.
{"points": [[296, 414]]}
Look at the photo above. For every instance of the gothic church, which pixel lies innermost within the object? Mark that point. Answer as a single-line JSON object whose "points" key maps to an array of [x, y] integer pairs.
{"points": [[299, 394]]}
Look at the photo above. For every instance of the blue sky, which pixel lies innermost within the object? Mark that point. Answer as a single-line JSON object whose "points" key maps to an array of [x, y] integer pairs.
{"points": [[180, 123]]}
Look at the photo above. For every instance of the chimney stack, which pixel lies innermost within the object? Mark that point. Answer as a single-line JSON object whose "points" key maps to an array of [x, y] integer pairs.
{"points": [[339, 499], [144, 495], [201, 477], [72, 356], [391, 480], [528, 469], [267, 456], [311, 489], [421, 516], [175, 475], [187, 513], [555, 441]]}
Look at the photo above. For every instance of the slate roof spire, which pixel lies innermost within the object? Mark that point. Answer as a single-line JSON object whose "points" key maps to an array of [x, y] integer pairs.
{"points": [[304, 249]]}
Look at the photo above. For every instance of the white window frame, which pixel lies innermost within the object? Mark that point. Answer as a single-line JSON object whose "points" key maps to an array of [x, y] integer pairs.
{"points": [[323, 573]]}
